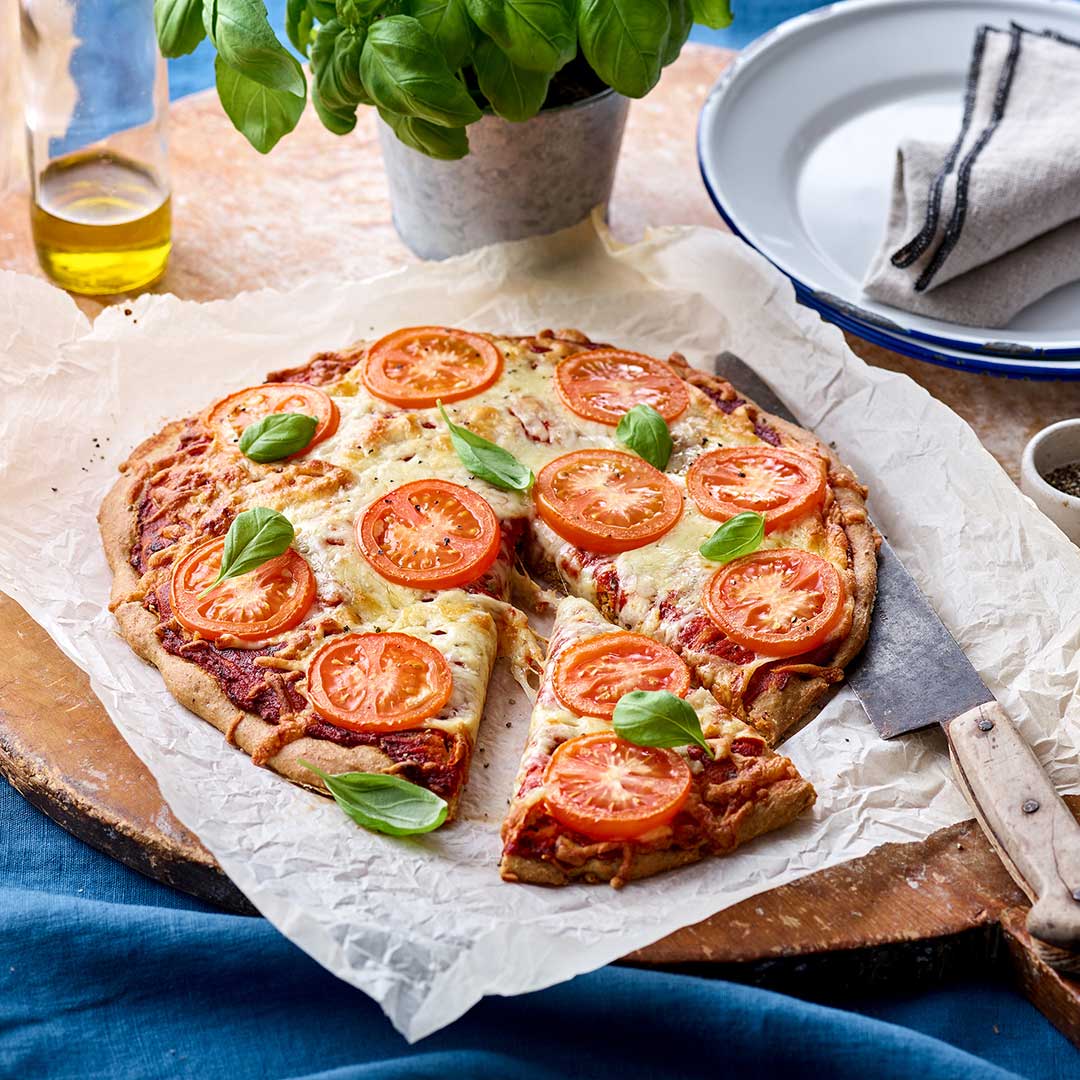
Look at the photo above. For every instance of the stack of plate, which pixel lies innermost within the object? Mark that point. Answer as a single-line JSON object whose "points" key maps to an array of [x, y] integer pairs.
{"points": [[797, 147]]}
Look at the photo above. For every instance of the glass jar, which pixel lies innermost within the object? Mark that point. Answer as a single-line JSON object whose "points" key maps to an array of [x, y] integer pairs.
{"points": [[96, 96]]}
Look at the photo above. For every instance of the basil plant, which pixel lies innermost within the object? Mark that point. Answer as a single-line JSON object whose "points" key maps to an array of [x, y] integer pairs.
{"points": [[430, 67]]}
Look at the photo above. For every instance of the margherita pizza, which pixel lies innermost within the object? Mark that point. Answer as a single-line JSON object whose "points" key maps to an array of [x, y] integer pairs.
{"points": [[361, 636]]}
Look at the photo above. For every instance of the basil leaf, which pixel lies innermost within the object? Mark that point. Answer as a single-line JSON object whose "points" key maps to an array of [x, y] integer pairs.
{"points": [[384, 803], [299, 24], [658, 718], [262, 115], [444, 143], [739, 535], [179, 26], [515, 93], [240, 31], [335, 64], [339, 121], [487, 460], [277, 436], [404, 72], [538, 35], [255, 537], [324, 10], [715, 14], [682, 22], [624, 40], [448, 23], [645, 431], [356, 14]]}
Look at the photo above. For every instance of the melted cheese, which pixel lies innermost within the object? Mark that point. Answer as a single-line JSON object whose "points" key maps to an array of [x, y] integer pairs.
{"points": [[378, 447], [553, 723]]}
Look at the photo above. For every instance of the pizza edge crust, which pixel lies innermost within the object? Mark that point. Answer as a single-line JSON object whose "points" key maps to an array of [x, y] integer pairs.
{"points": [[195, 689], [780, 805], [775, 711]]}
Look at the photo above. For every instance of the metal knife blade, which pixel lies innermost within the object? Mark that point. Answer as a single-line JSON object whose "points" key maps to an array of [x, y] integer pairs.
{"points": [[911, 674]]}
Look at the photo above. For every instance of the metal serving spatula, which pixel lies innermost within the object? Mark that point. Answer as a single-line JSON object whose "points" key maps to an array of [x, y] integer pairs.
{"points": [[912, 674]]}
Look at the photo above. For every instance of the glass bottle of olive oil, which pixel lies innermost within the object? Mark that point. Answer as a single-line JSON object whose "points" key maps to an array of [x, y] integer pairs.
{"points": [[96, 92], [102, 223]]}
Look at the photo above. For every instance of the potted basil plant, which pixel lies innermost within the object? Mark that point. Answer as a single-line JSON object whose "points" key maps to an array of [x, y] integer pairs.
{"points": [[498, 118]]}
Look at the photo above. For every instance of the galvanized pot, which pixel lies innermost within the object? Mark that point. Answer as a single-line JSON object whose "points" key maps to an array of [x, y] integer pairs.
{"points": [[518, 180]]}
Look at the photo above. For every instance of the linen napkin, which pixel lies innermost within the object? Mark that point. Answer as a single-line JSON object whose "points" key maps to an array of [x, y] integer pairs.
{"points": [[980, 229]]}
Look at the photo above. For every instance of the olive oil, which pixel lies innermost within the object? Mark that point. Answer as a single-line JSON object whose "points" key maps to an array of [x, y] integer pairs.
{"points": [[102, 223]]}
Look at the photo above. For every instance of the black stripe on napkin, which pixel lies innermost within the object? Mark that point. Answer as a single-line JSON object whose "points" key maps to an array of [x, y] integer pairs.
{"points": [[906, 255], [963, 176]]}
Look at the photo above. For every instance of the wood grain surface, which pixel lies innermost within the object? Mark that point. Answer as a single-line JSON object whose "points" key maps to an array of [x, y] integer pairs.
{"points": [[319, 205]]}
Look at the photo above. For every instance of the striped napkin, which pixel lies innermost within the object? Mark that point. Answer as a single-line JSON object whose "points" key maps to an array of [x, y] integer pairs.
{"points": [[980, 229]]}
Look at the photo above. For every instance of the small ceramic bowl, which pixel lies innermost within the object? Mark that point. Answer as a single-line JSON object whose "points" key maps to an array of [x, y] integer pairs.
{"points": [[1058, 444]]}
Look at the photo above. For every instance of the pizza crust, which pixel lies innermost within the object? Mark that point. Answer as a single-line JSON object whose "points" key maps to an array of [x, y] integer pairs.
{"points": [[782, 804]]}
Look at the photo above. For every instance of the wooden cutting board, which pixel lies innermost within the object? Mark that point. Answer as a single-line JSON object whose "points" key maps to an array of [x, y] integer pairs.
{"points": [[911, 913]]}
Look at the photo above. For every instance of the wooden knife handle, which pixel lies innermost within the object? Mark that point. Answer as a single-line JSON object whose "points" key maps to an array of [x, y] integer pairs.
{"points": [[1025, 819]]}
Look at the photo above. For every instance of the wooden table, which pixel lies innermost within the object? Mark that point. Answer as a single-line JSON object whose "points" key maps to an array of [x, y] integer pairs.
{"points": [[319, 205]]}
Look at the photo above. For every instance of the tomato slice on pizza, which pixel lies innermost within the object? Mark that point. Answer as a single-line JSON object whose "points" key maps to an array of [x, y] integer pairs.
{"points": [[610, 789], [780, 602], [417, 367], [270, 599], [606, 500], [378, 682], [592, 676], [605, 383], [230, 416], [779, 483], [430, 534]]}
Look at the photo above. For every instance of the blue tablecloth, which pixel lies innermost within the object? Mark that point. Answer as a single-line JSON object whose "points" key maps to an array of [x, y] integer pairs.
{"points": [[105, 974]]}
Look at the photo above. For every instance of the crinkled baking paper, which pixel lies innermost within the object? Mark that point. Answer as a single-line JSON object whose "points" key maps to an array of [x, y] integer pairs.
{"points": [[425, 926]]}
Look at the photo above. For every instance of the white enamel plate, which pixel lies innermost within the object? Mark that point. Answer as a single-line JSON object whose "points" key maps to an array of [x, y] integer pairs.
{"points": [[797, 145]]}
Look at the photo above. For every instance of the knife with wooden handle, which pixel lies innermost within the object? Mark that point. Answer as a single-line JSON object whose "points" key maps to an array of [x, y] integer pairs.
{"points": [[911, 675]]}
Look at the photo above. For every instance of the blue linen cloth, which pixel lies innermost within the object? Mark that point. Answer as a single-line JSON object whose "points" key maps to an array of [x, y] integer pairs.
{"points": [[105, 974]]}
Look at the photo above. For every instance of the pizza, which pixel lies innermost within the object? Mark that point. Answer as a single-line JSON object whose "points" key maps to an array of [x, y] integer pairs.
{"points": [[437, 486], [589, 805]]}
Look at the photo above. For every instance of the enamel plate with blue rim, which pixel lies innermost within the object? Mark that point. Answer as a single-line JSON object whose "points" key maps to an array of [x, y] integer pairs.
{"points": [[797, 147]]}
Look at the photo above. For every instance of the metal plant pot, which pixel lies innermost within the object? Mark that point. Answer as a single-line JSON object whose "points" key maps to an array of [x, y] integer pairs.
{"points": [[518, 180]]}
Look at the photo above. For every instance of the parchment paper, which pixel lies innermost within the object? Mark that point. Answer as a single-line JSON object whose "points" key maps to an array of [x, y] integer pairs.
{"points": [[425, 926]]}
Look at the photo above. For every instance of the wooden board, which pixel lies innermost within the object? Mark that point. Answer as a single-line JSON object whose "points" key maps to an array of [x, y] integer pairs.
{"points": [[319, 205]]}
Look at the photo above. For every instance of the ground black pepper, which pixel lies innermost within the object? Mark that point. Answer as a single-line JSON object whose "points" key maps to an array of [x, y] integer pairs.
{"points": [[1066, 478]]}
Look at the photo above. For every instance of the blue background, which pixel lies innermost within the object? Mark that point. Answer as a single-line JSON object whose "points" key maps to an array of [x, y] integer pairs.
{"points": [[105, 974], [195, 72]]}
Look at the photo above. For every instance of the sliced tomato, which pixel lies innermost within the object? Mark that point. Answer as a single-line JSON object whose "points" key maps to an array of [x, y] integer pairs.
{"points": [[781, 484], [609, 789], [602, 384], [268, 600], [592, 675], [231, 415], [780, 602], [606, 500], [378, 682], [416, 367], [430, 534]]}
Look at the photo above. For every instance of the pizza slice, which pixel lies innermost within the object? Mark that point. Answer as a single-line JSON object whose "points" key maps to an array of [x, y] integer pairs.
{"points": [[591, 806]]}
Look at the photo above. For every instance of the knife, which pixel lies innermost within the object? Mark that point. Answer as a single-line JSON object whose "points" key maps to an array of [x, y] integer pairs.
{"points": [[911, 675]]}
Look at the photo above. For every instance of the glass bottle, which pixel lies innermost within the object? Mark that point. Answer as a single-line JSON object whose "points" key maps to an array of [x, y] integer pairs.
{"points": [[96, 96]]}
